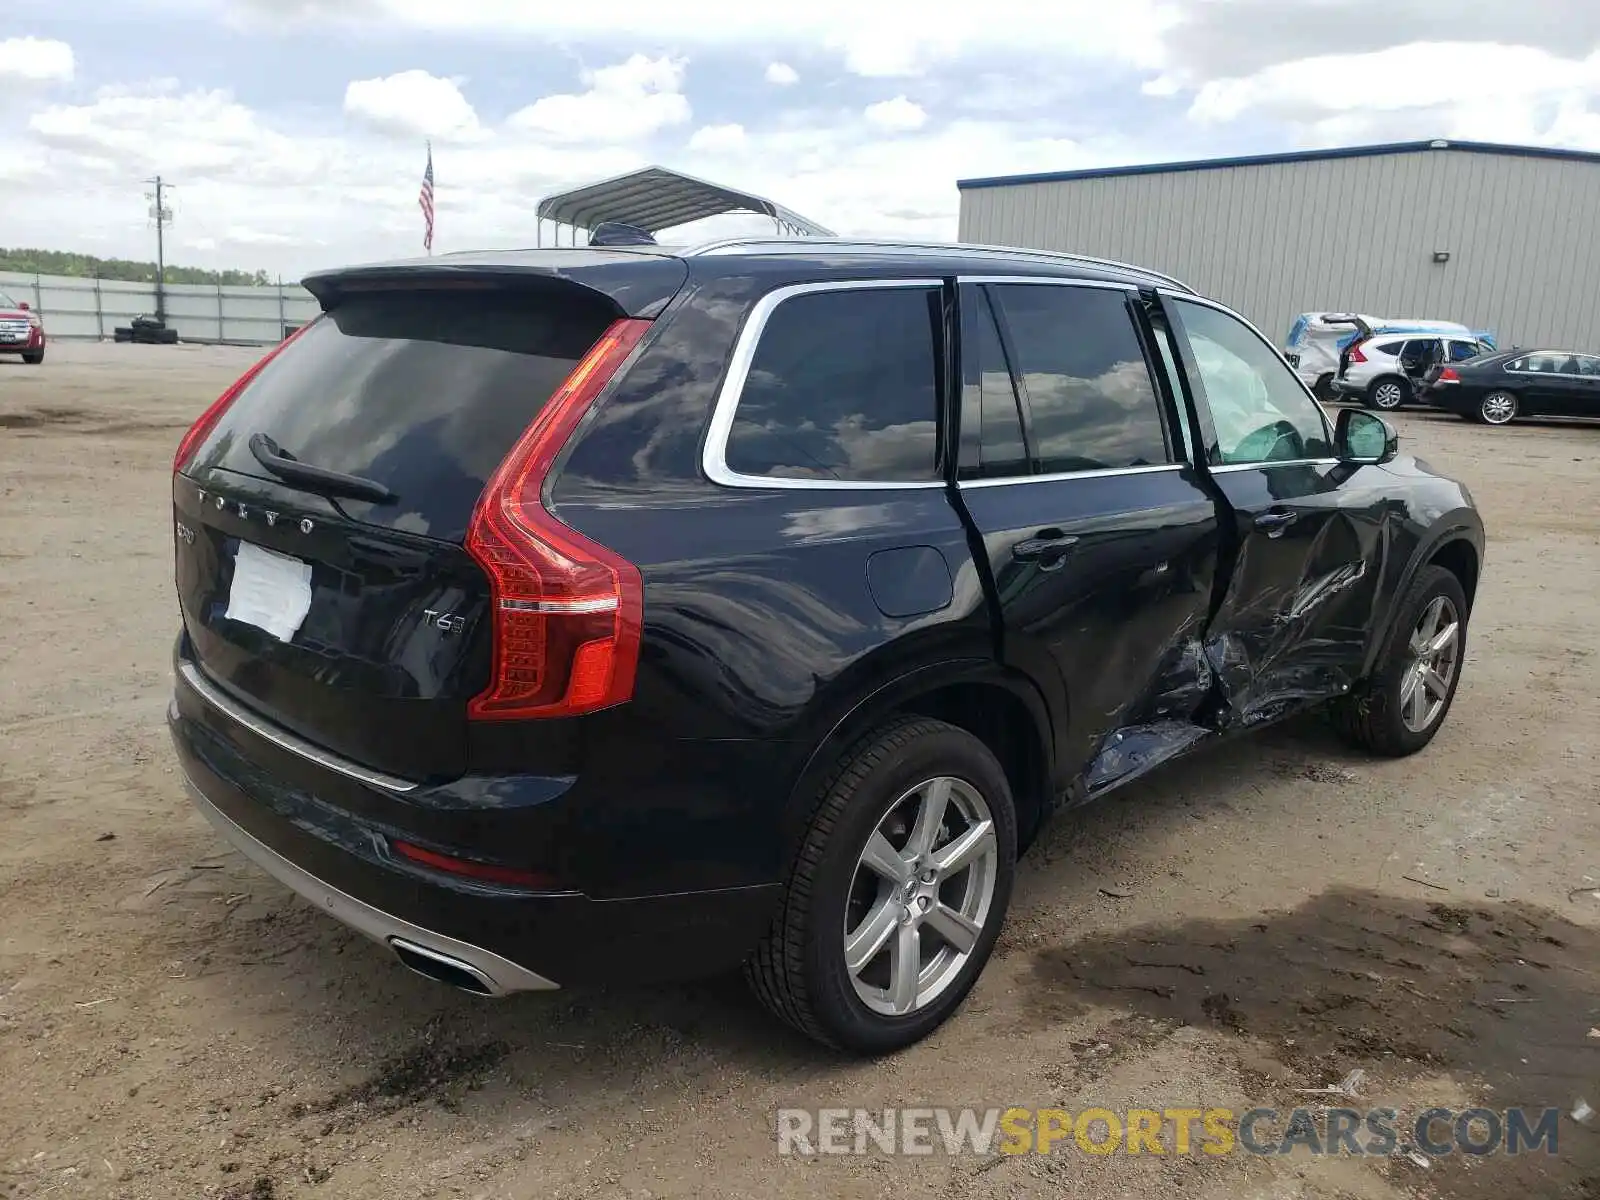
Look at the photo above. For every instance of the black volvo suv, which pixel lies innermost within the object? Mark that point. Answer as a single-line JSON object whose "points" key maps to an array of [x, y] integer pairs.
{"points": [[569, 615]]}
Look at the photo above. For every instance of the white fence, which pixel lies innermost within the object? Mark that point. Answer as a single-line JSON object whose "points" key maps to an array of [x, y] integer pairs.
{"points": [[200, 312]]}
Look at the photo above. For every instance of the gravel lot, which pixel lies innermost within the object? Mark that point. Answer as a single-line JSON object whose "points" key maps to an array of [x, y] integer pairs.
{"points": [[175, 1024]]}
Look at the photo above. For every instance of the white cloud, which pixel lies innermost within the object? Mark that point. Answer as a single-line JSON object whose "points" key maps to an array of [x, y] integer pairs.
{"points": [[413, 104], [718, 139], [1419, 75], [782, 74], [624, 103], [895, 116], [36, 60]]}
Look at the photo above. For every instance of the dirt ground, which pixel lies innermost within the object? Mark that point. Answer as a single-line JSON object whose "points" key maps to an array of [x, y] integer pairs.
{"points": [[1260, 919]]}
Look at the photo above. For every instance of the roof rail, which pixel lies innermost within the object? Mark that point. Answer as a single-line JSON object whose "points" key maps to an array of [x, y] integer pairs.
{"points": [[733, 243]]}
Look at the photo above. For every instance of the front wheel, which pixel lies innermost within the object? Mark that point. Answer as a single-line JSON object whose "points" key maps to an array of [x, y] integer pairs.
{"points": [[897, 894], [33, 357], [1386, 395], [1497, 408], [1417, 672]]}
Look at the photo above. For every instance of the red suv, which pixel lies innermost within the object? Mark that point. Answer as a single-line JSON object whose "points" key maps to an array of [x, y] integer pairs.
{"points": [[21, 330]]}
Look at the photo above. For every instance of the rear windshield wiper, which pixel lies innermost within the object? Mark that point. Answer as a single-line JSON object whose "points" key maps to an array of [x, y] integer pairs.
{"points": [[316, 479]]}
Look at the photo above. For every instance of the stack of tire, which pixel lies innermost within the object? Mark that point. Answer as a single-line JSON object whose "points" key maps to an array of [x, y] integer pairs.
{"points": [[147, 330]]}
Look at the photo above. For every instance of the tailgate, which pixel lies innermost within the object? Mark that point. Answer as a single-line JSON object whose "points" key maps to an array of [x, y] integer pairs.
{"points": [[362, 624]]}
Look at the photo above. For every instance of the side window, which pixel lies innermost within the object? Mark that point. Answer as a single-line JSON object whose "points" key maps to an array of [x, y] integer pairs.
{"points": [[1091, 401], [1588, 365], [1394, 348], [991, 423], [843, 386], [1169, 365], [1260, 410], [1549, 362], [1461, 351]]}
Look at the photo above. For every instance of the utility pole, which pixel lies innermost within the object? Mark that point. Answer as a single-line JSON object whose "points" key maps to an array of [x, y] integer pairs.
{"points": [[162, 215]]}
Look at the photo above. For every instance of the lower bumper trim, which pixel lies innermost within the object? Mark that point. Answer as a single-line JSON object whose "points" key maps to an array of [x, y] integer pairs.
{"points": [[499, 976]]}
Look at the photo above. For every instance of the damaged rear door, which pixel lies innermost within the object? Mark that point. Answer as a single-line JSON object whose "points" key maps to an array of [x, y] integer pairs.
{"points": [[1303, 549]]}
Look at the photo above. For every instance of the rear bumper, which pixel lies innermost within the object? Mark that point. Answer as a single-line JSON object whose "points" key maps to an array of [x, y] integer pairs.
{"points": [[507, 939], [496, 976]]}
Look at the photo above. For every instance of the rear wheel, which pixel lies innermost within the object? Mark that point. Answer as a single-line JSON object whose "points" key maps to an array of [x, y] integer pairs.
{"points": [[1323, 390], [1498, 408], [1418, 670], [898, 892], [33, 357], [1387, 394]]}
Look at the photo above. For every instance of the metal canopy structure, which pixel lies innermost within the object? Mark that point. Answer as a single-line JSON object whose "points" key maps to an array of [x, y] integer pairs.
{"points": [[656, 198]]}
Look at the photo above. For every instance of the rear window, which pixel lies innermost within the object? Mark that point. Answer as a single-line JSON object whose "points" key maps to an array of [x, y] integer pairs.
{"points": [[424, 392], [1391, 348]]}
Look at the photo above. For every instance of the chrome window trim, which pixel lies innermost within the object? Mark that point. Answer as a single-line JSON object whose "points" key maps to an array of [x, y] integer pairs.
{"points": [[1063, 476], [282, 738], [1228, 468], [1107, 285], [714, 458]]}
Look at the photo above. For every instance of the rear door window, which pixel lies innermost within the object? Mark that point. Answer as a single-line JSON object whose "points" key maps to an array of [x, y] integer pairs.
{"points": [[1085, 380], [843, 386], [991, 420], [424, 392], [1394, 348], [1461, 351]]}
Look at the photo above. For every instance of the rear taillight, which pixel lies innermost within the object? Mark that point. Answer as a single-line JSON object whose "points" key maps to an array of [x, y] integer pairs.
{"points": [[208, 419], [1355, 353], [567, 611], [1448, 375]]}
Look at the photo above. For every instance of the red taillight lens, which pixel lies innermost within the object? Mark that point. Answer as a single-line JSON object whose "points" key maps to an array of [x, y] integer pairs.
{"points": [[197, 432], [1356, 355], [471, 869], [567, 611], [1448, 375]]}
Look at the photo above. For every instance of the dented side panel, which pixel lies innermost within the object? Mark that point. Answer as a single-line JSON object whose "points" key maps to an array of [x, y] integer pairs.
{"points": [[1309, 546]]}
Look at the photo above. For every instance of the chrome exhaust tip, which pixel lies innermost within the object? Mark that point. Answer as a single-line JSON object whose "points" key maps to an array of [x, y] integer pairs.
{"points": [[442, 968]]}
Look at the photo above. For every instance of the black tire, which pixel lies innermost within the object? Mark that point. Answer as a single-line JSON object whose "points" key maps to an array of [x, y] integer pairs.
{"points": [[798, 970], [1387, 393], [1371, 718], [122, 333], [1498, 407], [1323, 390], [33, 357]]}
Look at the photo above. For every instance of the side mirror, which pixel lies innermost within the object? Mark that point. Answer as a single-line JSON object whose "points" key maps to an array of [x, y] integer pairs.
{"points": [[22, 306], [1364, 437]]}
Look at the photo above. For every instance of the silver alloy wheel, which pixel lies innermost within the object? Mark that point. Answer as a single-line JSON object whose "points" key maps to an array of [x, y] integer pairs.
{"points": [[1435, 649], [920, 895], [1499, 407], [1388, 394]]}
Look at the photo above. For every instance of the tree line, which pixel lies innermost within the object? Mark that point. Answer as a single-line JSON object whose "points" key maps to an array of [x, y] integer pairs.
{"points": [[87, 266]]}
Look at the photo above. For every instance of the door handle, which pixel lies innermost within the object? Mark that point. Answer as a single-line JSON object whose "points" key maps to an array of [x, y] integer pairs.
{"points": [[1048, 548], [1276, 522]]}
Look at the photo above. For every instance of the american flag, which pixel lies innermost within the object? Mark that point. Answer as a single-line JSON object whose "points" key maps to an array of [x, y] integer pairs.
{"points": [[426, 200]]}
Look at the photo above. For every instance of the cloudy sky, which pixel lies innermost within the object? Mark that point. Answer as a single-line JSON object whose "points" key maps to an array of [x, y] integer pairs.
{"points": [[294, 129]]}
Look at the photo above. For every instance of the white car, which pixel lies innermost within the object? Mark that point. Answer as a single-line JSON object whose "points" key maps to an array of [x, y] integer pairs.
{"points": [[1386, 370]]}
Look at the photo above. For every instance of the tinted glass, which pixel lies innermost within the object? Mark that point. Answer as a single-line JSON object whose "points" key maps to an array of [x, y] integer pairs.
{"points": [[843, 386], [1392, 347], [991, 422], [1588, 365], [1169, 366], [1461, 351], [1089, 392], [424, 392], [1549, 361], [1260, 410]]}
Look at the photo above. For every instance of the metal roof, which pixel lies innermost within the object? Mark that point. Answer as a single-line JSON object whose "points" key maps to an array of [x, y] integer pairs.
{"points": [[1296, 156], [656, 198]]}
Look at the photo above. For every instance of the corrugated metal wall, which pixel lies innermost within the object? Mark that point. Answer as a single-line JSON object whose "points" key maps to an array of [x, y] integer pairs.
{"points": [[1353, 234], [93, 308]]}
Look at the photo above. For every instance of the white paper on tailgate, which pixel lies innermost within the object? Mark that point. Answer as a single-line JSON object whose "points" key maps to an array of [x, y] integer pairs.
{"points": [[271, 591]]}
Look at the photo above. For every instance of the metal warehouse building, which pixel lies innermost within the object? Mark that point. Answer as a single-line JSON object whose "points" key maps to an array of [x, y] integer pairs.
{"points": [[1501, 238]]}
